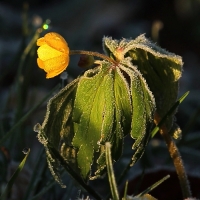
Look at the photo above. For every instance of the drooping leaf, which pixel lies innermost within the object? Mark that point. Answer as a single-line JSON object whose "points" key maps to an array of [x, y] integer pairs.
{"points": [[143, 104], [160, 69], [57, 128], [107, 103], [122, 119], [92, 115]]}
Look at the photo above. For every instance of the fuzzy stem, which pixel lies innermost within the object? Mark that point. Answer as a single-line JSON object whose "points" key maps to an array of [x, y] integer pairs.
{"points": [[176, 157], [96, 54]]}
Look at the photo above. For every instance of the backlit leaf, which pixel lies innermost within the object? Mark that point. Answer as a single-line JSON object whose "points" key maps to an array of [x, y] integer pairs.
{"points": [[107, 103], [93, 114], [160, 69], [143, 104]]}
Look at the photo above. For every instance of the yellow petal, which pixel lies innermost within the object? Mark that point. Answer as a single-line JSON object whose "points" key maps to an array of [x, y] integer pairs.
{"points": [[57, 42], [40, 63], [56, 65], [46, 52], [54, 73], [41, 41]]}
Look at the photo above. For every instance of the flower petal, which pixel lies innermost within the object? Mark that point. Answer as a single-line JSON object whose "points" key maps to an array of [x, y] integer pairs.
{"points": [[56, 65], [40, 63], [54, 73], [53, 54], [41, 41], [57, 42], [46, 52]]}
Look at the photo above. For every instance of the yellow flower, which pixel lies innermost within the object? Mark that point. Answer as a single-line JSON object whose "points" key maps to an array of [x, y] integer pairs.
{"points": [[53, 54]]}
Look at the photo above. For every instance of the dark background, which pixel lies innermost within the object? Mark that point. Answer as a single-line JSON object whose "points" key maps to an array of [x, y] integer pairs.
{"points": [[174, 25]]}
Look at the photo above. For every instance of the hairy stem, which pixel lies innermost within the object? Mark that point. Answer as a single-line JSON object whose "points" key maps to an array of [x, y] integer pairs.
{"points": [[176, 157], [96, 54]]}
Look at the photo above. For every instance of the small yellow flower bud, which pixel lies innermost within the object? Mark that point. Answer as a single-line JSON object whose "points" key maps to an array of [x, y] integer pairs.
{"points": [[53, 54]]}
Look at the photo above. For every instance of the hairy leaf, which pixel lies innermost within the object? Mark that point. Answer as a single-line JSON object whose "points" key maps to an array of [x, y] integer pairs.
{"points": [[160, 69], [107, 103], [92, 115], [143, 108]]}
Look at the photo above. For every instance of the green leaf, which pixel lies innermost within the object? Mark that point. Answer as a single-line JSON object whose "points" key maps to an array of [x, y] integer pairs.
{"points": [[14, 176], [57, 128], [92, 115], [123, 113], [159, 68], [144, 194], [123, 102], [122, 120], [82, 117], [143, 108], [149, 189], [61, 106]]}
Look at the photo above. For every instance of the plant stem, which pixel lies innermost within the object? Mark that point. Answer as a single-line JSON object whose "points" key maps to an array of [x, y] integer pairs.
{"points": [[176, 157], [96, 54], [110, 170]]}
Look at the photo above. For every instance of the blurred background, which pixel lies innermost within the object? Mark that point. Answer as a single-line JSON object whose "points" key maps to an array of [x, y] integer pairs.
{"points": [[172, 24]]}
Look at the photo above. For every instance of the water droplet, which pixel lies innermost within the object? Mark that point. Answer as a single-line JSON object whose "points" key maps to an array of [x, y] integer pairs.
{"points": [[25, 150]]}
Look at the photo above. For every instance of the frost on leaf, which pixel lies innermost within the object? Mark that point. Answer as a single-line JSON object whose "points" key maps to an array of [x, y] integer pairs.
{"points": [[52, 162], [56, 129], [107, 103], [143, 106], [160, 68]]}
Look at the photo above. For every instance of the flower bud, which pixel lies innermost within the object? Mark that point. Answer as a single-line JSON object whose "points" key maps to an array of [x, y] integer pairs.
{"points": [[53, 54], [86, 61]]}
